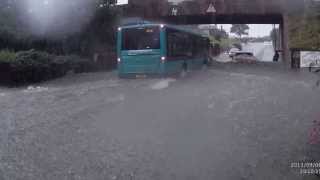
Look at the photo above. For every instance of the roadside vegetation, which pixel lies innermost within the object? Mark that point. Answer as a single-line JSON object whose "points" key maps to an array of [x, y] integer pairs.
{"points": [[240, 30], [7, 56], [305, 30], [17, 68], [221, 41]]}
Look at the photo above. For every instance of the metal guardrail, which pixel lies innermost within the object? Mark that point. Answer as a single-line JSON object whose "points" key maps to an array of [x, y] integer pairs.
{"points": [[296, 63], [315, 69]]}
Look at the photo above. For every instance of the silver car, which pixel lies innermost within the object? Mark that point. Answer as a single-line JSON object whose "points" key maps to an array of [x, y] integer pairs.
{"points": [[244, 57]]}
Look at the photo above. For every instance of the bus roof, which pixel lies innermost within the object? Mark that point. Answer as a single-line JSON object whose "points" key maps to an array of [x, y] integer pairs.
{"points": [[175, 27], [139, 25]]}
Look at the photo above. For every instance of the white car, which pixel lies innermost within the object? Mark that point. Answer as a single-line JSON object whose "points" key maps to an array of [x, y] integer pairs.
{"points": [[244, 57], [233, 51]]}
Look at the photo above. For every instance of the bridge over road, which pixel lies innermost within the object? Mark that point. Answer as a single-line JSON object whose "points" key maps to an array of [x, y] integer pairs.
{"points": [[219, 12]]}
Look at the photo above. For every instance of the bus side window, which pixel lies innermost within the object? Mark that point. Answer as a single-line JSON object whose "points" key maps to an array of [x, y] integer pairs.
{"points": [[189, 46], [173, 44], [195, 46], [179, 44]]}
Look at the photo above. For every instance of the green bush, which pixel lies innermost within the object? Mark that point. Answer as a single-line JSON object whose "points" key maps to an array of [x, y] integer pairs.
{"points": [[7, 56], [31, 66], [35, 66]]}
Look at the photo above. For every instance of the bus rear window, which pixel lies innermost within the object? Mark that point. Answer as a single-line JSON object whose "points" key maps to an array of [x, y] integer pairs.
{"points": [[141, 38]]}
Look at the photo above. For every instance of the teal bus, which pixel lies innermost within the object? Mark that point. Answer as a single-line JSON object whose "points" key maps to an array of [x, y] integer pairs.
{"points": [[159, 49]]}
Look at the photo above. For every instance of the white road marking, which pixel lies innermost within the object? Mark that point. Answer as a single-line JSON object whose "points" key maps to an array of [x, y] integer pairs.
{"points": [[32, 89], [162, 84]]}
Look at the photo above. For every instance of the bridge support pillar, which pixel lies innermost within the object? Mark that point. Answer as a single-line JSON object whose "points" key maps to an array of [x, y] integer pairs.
{"points": [[284, 27]]}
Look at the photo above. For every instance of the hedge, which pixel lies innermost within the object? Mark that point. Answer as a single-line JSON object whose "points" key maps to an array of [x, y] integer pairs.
{"points": [[7, 56], [36, 66]]}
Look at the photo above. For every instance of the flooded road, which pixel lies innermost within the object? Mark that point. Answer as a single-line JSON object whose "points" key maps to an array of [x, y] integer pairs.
{"points": [[227, 122]]}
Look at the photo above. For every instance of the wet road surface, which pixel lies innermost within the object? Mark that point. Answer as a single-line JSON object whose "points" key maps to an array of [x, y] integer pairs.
{"points": [[227, 122]]}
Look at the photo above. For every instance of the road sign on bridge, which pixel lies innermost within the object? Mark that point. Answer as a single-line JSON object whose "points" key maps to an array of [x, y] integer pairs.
{"points": [[121, 2], [211, 9]]}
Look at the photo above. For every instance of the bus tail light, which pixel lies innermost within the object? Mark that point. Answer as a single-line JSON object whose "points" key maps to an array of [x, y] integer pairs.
{"points": [[163, 59]]}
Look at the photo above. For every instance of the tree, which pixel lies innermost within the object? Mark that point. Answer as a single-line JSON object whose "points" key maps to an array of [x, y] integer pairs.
{"points": [[304, 28], [9, 13], [218, 34], [240, 29], [58, 26], [99, 33]]}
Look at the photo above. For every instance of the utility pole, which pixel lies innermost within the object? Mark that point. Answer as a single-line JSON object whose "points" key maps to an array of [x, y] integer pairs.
{"points": [[275, 37]]}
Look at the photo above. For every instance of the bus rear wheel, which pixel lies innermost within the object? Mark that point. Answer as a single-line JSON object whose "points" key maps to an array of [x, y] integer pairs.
{"points": [[184, 70], [206, 63], [209, 61]]}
